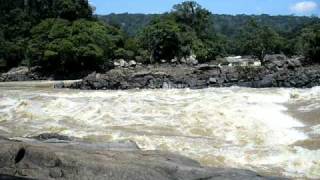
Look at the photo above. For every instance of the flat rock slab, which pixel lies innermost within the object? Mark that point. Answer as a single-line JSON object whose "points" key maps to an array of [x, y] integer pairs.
{"points": [[33, 159]]}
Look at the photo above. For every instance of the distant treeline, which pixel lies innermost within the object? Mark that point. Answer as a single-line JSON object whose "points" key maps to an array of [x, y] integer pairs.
{"points": [[230, 28], [63, 36], [228, 25]]}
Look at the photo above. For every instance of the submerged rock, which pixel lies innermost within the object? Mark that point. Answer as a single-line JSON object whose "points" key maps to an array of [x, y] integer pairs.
{"points": [[47, 136], [72, 160]]}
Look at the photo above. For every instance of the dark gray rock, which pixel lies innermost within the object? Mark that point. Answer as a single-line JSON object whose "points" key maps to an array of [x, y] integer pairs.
{"points": [[213, 80], [21, 73], [76, 161], [267, 81], [47, 136], [274, 58], [295, 62], [289, 73]]}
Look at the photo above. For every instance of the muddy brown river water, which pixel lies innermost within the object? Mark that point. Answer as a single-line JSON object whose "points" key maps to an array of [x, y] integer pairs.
{"points": [[273, 131]]}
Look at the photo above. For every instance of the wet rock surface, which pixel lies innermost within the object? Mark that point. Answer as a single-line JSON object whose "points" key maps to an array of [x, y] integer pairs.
{"points": [[274, 73], [32, 159]]}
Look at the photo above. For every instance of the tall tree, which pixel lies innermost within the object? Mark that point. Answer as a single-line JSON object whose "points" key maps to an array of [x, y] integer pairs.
{"points": [[18, 17], [258, 40], [162, 39], [191, 14], [63, 46], [311, 42]]}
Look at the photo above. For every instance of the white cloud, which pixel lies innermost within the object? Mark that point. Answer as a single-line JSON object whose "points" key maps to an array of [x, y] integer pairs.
{"points": [[304, 6]]}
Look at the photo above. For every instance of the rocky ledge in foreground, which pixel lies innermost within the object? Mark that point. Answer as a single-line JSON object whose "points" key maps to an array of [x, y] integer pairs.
{"points": [[277, 71], [52, 156]]}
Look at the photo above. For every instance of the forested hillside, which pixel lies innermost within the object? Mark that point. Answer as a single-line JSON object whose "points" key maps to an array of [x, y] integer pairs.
{"points": [[60, 36], [63, 36], [228, 25], [232, 32]]}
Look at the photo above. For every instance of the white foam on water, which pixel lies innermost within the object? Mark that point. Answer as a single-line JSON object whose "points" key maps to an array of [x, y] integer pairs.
{"points": [[237, 127], [308, 96], [315, 129]]}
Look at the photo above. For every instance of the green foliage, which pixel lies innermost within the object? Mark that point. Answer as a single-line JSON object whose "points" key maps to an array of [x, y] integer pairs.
{"points": [[227, 25], [259, 40], [63, 35], [211, 48], [18, 17], [311, 42], [132, 24], [184, 31], [161, 38], [191, 14], [131, 44], [225, 31], [122, 53], [65, 46]]}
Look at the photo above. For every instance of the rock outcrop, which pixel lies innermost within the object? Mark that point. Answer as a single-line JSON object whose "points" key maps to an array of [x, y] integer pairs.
{"points": [[65, 159], [277, 71], [21, 74]]}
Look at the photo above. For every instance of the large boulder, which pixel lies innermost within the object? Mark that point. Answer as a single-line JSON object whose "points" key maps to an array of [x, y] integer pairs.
{"points": [[132, 63], [17, 74], [120, 63], [191, 60], [72, 160], [295, 62], [275, 60], [21, 73]]}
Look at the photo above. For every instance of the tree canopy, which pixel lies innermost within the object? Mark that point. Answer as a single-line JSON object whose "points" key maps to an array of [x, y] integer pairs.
{"points": [[182, 32], [258, 40], [162, 39], [64, 36], [310, 38], [58, 35], [71, 46]]}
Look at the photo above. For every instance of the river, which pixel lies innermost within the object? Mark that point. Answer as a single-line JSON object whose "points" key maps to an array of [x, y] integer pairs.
{"points": [[272, 131]]}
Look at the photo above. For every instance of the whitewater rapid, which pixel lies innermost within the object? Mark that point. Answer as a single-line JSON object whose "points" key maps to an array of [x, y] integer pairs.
{"points": [[272, 131]]}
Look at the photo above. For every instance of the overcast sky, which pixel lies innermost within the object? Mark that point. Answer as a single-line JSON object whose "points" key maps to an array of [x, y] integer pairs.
{"points": [[273, 7]]}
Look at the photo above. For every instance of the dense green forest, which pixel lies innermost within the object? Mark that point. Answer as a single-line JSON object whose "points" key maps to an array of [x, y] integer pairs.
{"points": [[228, 25], [60, 36], [64, 36], [231, 28]]}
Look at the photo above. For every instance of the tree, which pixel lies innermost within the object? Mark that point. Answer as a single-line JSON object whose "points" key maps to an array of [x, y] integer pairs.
{"points": [[191, 14], [184, 31], [2, 52], [199, 37], [258, 40], [18, 17], [63, 46], [210, 48], [310, 38], [161, 38]]}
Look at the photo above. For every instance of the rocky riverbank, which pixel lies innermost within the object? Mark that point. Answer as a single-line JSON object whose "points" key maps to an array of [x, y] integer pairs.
{"points": [[277, 71], [52, 156], [22, 74]]}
